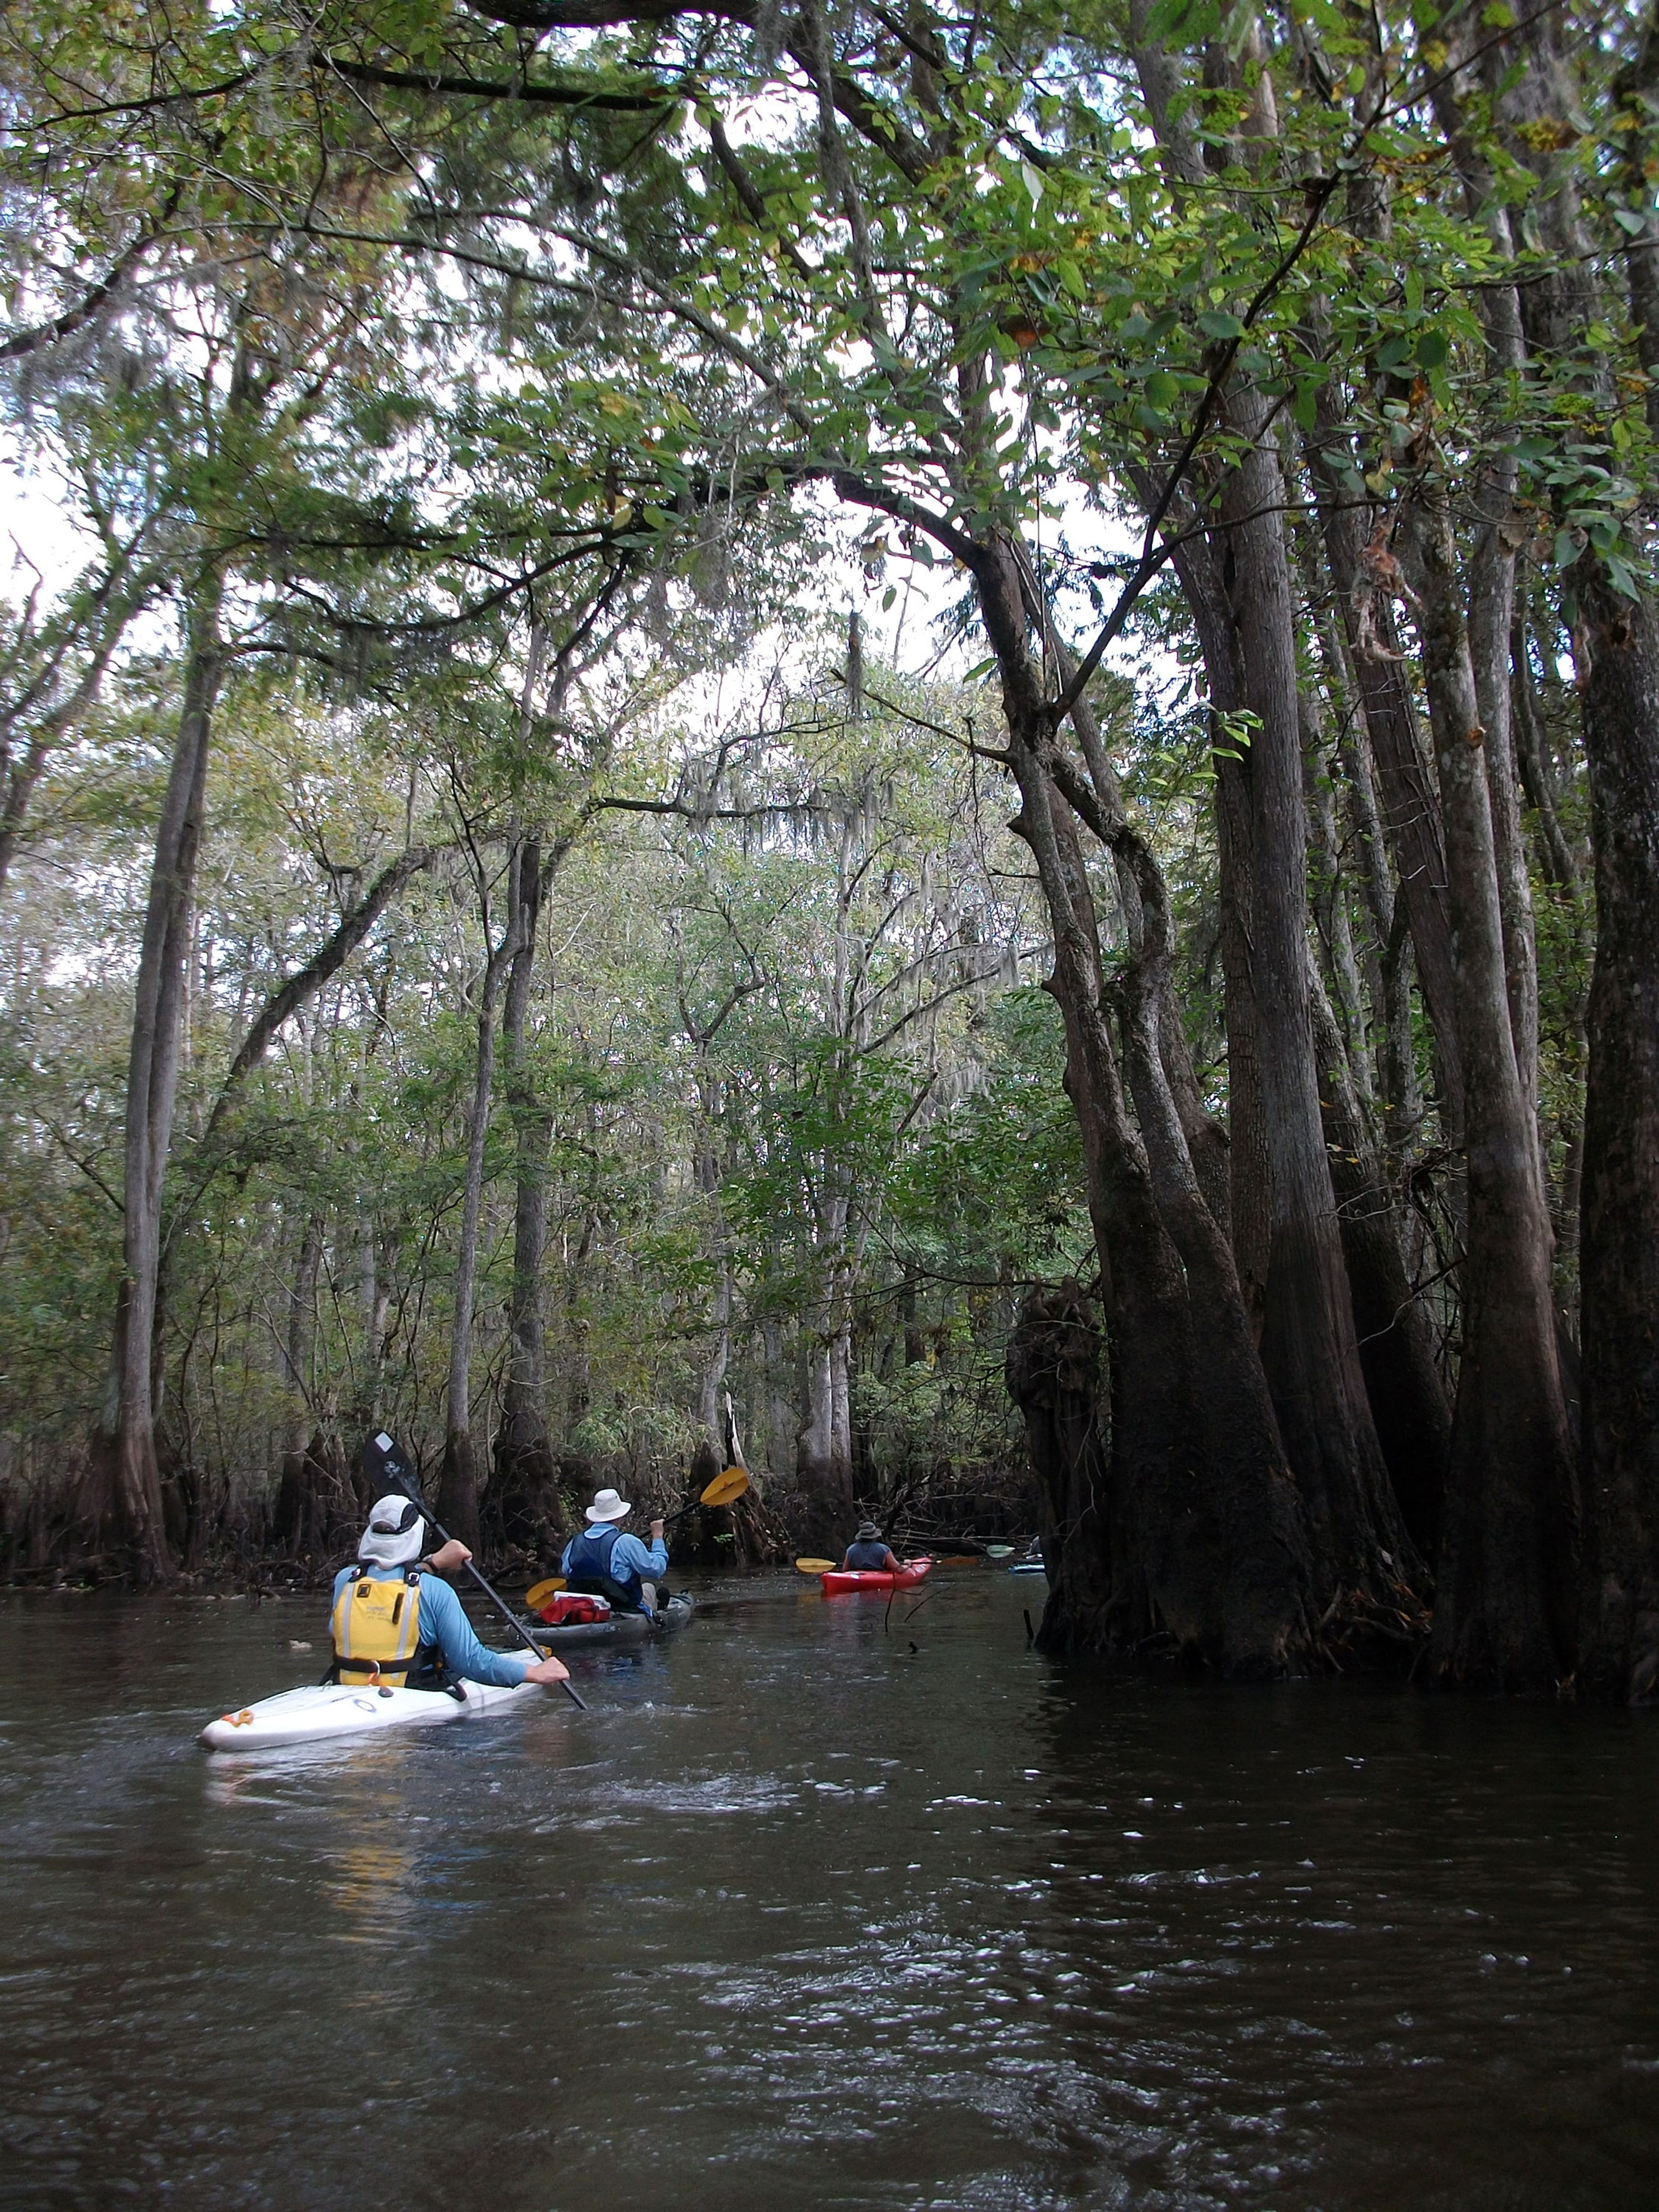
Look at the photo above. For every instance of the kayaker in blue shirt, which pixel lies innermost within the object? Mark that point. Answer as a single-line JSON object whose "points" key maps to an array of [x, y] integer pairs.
{"points": [[606, 1560], [396, 1624], [867, 1555]]}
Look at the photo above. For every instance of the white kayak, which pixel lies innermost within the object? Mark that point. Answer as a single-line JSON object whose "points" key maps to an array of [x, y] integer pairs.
{"points": [[324, 1711]]}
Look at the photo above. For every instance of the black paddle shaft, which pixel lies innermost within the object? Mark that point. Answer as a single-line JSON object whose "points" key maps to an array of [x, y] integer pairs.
{"points": [[392, 1464]]}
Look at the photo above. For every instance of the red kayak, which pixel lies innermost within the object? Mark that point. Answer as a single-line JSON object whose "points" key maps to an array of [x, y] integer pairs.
{"points": [[841, 1580]]}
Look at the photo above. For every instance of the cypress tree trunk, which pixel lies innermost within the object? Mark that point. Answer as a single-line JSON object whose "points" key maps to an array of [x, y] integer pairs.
{"points": [[1193, 1470], [1618, 1263], [1408, 1398], [1309, 1348], [123, 1478], [1250, 1220], [1410, 814], [1505, 1612], [1250, 1177], [1053, 1370]]}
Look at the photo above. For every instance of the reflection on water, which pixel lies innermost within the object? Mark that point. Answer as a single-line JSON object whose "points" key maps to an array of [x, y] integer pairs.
{"points": [[818, 1906], [368, 1886]]}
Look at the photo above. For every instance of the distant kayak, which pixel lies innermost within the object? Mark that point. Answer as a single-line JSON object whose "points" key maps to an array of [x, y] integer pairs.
{"points": [[615, 1627], [1027, 1567], [844, 1581], [322, 1711]]}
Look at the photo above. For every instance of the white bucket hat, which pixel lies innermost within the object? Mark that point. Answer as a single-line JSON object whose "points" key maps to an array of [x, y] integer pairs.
{"points": [[395, 1533], [607, 1506]]}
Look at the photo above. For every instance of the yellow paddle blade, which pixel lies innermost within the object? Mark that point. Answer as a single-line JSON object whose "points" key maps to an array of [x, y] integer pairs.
{"points": [[540, 1593], [726, 1487], [814, 1566]]}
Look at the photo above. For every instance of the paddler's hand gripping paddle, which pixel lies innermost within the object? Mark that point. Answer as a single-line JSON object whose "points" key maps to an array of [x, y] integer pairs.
{"points": [[380, 1453]]}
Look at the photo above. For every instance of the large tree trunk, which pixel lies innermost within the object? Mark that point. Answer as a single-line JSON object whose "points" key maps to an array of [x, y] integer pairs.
{"points": [[1309, 1345], [1054, 1364], [1250, 1176], [1410, 814], [1619, 1259], [1195, 1467], [1503, 1616], [125, 1481], [1408, 1398], [1250, 1220]]}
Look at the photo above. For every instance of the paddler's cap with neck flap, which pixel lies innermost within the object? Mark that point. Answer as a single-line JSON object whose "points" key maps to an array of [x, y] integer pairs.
{"points": [[394, 1534]]}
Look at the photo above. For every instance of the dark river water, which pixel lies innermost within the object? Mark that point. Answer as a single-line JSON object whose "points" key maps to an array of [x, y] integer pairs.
{"points": [[799, 1915]]}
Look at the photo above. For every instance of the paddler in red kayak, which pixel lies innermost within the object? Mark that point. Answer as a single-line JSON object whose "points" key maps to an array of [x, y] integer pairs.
{"points": [[867, 1555]]}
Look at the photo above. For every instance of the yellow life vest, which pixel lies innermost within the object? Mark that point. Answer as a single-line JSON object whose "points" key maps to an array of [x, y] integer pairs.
{"points": [[377, 1629]]}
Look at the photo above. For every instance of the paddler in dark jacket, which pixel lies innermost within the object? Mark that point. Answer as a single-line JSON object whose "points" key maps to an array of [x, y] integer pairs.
{"points": [[394, 1623], [607, 1560], [867, 1555]]}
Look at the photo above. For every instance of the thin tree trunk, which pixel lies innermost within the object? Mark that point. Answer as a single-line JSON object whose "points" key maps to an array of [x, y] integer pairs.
{"points": [[579, 1394], [823, 1464], [303, 1314], [780, 1413], [840, 1402], [280, 1006], [1328, 895], [531, 1512], [458, 1489], [1559, 867], [706, 1166], [50, 728]]}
